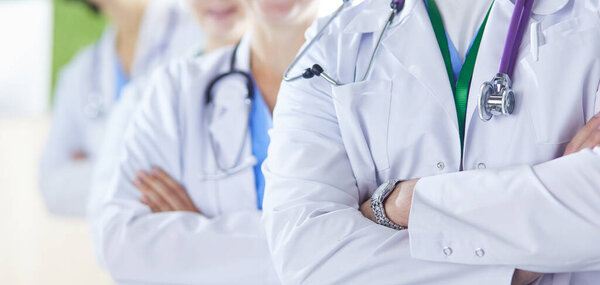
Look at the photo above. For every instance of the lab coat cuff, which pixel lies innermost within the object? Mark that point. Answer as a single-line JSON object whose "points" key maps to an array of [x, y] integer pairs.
{"points": [[428, 237], [434, 234]]}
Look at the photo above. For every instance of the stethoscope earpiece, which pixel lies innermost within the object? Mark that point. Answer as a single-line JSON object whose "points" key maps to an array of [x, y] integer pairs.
{"points": [[318, 70]]}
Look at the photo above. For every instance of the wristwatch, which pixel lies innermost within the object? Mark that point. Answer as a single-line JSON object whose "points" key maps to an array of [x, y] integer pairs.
{"points": [[378, 201]]}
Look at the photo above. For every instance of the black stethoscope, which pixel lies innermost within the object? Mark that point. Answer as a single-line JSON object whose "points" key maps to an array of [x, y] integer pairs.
{"points": [[239, 164]]}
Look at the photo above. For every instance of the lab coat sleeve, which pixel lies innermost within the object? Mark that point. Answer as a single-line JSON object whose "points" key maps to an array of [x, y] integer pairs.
{"points": [[544, 218], [64, 182], [108, 159], [173, 247], [315, 231]]}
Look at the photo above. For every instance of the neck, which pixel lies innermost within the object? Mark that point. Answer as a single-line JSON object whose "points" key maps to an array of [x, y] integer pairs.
{"points": [[127, 17], [272, 50], [213, 44]]}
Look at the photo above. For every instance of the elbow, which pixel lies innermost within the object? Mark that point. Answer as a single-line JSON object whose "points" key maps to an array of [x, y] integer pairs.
{"points": [[112, 244], [60, 203], [283, 243], [65, 189]]}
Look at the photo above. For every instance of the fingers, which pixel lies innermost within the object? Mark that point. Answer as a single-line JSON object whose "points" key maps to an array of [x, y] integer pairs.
{"points": [[592, 140], [153, 198], [158, 186], [162, 192], [173, 185], [78, 155], [148, 203], [587, 137]]}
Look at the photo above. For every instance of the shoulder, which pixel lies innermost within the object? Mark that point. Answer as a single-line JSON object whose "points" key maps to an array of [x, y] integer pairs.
{"points": [[73, 79], [182, 82], [347, 16], [79, 66], [193, 72]]}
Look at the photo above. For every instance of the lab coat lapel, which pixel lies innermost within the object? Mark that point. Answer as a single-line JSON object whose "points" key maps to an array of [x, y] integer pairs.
{"points": [[492, 48], [229, 125], [489, 56], [104, 67], [156, 30], [422, 57]]}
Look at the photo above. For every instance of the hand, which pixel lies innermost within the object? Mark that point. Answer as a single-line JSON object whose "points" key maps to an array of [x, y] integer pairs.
{"points": [[522, 277], [367, 211], [161, 193], [587, 137], [397, 205], [78, 155]]}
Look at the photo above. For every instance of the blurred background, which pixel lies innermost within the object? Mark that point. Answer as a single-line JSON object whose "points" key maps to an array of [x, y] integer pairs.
{"points": [[38, 38]]}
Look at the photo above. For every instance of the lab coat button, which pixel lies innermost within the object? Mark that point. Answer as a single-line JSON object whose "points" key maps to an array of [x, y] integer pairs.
{"points": [[480, 252], [441, 165], [447, 251], [481, 165]]}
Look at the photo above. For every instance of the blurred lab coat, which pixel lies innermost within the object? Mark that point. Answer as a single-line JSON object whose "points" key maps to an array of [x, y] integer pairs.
{"points": [[86, 91]]}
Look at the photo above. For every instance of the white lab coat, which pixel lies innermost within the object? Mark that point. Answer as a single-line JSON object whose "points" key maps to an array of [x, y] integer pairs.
{"points": [[333, 146], [225, 244], [167, 31]]}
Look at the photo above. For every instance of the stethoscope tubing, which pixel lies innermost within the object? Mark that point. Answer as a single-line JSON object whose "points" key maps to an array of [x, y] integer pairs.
{"points": [[302, 53], [221, 171], [516, 31], [317, 70]]}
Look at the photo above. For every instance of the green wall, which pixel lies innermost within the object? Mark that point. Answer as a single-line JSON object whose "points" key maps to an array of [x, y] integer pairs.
{"points": [[75, 26]]}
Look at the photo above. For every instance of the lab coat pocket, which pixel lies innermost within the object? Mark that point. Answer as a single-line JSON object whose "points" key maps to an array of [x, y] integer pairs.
{"points": [[556, 100], [363, 111]]}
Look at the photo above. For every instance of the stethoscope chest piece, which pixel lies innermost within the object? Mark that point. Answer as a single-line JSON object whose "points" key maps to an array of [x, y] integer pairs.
{"points": [[496, 98]]}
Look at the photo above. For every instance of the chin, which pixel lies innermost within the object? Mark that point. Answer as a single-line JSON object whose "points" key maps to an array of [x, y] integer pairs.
{"points": [[279, 10]]}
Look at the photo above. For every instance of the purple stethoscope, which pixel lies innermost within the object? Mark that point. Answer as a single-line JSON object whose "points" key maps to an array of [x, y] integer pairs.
{"points": [[497, 96]]}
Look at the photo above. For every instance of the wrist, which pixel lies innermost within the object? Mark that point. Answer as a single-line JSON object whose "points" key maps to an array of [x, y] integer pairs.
{"points": [[399, 203], [378, 201], [391, 210]]}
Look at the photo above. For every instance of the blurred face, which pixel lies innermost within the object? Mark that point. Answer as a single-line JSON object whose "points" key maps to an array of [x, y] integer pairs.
{"points": [[284, 12], [105, 5], [222, 19]]}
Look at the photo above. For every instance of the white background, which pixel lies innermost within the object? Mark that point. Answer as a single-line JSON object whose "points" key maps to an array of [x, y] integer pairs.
{"points": [[25, 56]]}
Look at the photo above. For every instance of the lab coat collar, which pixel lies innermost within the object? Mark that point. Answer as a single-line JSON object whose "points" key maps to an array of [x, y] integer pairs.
{"points": [[422, 58], [540, 7], [243, 53], [103, 67], [372, 18], [548, 7]]}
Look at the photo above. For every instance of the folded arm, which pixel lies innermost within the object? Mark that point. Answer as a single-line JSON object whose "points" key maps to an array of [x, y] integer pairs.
{"points": [[65, 168], [173, 247], [316, 233], [543, 218]]}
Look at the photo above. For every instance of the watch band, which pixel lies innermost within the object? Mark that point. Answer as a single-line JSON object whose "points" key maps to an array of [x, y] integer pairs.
{"points": [[378, 201]]}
